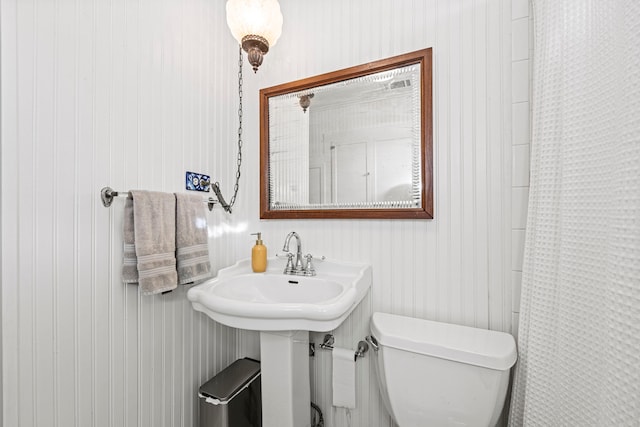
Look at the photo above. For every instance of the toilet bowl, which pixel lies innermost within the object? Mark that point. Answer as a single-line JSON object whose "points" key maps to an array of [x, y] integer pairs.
{"points": [[440, 374]]}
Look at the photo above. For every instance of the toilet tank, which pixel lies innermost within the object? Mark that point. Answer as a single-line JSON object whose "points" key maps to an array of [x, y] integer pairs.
{"points": [[439, 374]]}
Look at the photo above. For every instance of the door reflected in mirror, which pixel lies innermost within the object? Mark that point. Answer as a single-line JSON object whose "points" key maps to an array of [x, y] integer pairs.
{"points": [[355, 143]]}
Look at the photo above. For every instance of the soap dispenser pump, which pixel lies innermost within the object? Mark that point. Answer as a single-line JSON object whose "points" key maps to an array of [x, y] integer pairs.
{"points": [[259, 255]]}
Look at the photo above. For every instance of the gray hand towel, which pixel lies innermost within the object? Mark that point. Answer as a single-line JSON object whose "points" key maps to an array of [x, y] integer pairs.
{"points": [[192, 239], [130, 261], [154, 219]]}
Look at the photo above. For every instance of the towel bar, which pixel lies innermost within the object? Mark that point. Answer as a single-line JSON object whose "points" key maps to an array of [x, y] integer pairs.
{"points": [[107, 195]]}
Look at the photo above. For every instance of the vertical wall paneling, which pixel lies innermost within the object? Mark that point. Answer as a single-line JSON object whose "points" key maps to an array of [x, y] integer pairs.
{"points": [[94, 93], [8, 214], [131, 94]]}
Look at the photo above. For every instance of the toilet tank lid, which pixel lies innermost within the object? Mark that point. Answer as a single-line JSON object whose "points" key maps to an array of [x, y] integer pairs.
{"points": [[464, 344]]}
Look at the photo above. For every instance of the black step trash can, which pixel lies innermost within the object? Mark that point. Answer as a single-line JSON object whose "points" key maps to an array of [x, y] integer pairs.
{"points": [[232, 398]]}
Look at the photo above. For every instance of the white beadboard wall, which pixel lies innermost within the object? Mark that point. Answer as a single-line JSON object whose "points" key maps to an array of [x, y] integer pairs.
{"points": [[128, 94], [131, 94]]}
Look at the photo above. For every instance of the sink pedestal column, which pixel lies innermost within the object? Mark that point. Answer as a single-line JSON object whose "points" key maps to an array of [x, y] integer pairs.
{"points": [[286, 393]]}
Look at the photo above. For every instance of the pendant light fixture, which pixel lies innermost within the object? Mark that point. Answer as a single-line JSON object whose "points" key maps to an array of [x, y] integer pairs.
{"points": [[256, 25], [305, 102]]}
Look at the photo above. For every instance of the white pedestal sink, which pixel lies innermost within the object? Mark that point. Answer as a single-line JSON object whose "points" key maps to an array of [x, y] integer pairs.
{"points": [[284, 309]]}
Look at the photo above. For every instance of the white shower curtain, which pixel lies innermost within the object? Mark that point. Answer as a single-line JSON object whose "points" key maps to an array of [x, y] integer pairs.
{"points": [[579, 336]]}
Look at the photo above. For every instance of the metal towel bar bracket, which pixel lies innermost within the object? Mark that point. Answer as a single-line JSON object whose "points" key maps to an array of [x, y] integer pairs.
{"points": [[107, 194], [327, 344]]}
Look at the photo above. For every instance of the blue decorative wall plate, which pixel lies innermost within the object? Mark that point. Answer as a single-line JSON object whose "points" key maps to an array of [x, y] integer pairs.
{"points": [[197, 181]]}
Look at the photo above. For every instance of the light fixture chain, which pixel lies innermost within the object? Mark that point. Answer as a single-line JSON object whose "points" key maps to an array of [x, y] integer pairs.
{"points": [[239, 160]]}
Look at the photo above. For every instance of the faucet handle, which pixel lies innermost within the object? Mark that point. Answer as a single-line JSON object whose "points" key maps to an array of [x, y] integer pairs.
{"points": [[289, 268], [282, 255], [309, 270]]}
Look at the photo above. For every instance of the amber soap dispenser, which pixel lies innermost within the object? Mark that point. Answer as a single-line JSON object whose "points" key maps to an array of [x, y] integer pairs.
{"points": [[259, 255]]}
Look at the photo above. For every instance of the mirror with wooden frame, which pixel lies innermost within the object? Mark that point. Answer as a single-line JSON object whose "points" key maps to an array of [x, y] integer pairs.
{"points": [[354, 143]]}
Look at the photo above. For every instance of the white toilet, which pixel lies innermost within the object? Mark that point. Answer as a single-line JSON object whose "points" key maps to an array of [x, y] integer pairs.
{"points": [[434, 374]]}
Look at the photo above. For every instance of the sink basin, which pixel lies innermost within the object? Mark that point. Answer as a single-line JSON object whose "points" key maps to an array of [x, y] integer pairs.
{"points": [[273, 301], [267, 290]]}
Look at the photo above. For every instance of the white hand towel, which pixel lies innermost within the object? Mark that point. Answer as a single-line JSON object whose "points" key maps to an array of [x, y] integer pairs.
{"points": [[344, 378]]}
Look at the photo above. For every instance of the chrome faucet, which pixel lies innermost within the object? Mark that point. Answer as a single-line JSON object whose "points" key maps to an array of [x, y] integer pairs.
{"points": [[301, 268], [299, 265]]}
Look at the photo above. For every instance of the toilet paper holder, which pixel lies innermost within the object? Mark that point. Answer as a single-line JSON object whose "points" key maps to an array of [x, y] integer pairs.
{"points": [[329, 340]]}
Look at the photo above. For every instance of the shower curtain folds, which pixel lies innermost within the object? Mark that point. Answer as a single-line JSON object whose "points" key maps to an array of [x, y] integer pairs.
{"points": [[579, 335]]}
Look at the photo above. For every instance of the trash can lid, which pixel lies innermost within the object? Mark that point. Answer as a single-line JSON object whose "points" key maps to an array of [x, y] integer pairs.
{"points": [[230, 380]]}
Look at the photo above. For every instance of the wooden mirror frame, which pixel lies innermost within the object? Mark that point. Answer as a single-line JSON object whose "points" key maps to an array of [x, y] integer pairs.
{"points": [[425, 211]]}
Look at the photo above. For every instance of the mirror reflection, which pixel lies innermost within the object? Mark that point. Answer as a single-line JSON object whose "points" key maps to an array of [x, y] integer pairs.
{"points": [[352, 144]]}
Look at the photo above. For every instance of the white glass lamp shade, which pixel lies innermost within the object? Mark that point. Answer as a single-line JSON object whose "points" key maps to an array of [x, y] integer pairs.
{"points": [[255, 17]]}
